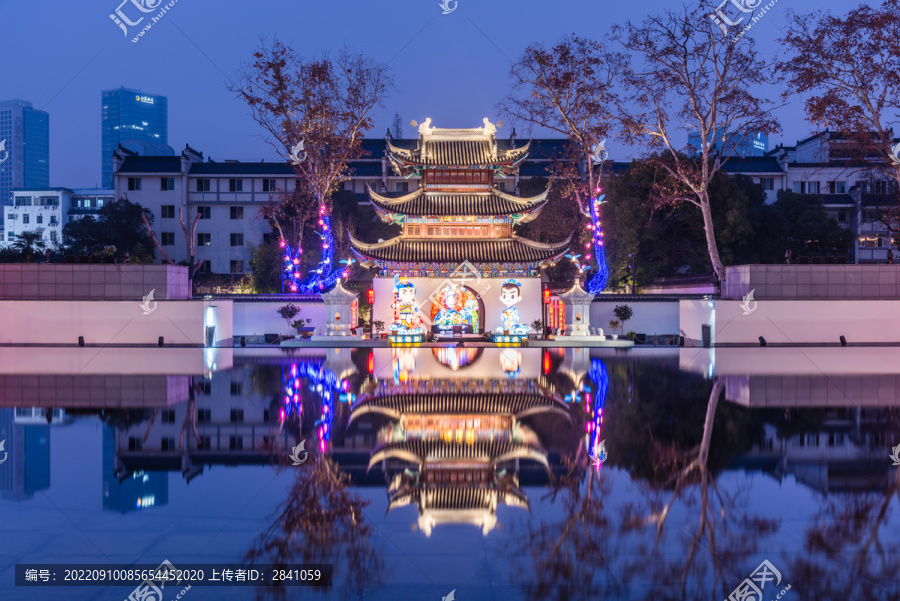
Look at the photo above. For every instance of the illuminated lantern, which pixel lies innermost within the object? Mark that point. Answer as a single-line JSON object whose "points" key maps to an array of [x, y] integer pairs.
{"points": [[546, 296], [370, 296]]}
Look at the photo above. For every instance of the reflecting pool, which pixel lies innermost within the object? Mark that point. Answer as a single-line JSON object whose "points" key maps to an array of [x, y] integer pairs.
{"points": [[492, 473]]}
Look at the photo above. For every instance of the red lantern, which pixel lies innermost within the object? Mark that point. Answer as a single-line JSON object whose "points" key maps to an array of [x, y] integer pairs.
{"points": [[370, 296], [546, 296]]}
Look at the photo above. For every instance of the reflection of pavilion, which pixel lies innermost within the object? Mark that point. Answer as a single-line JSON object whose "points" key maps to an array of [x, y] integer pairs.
{"points": [[453, 447]]}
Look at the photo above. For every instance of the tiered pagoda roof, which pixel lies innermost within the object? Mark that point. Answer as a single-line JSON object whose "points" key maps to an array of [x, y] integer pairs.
{"points": [[424, 452], [504, 250], [458, 214], [495, 202], [516, 405]]}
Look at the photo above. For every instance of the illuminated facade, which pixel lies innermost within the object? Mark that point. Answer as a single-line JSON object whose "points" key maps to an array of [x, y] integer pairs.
{"points": [[451, 446], [457, 248]]}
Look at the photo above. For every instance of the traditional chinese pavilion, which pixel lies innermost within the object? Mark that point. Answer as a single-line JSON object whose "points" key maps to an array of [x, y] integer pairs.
{"points": [[452, 446], [454, 454], [457, 266]]}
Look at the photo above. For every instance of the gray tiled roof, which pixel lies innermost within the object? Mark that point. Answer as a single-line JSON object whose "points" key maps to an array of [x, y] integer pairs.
{"points": [[506, 250], [765, 164]]}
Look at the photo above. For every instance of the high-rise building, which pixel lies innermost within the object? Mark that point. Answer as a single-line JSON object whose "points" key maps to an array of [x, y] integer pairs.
{"points": [[138, 122], [24, 149], [751, 145]]}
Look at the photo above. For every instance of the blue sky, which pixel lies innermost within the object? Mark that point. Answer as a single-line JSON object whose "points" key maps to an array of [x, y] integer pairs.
{"points": [[453, 68]]}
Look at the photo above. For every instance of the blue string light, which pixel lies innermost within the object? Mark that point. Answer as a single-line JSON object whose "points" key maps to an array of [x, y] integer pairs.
{"points": [[600, 378], [597, 283]]}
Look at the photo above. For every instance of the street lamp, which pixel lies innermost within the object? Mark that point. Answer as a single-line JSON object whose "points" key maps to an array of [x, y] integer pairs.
{"points": [[633, 255]]}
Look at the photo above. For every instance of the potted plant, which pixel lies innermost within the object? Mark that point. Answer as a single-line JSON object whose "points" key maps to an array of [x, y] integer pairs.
{"points": [[623, 314], [298, 325], [379, 328], [288, 313], [613, 326], [538, 326]]}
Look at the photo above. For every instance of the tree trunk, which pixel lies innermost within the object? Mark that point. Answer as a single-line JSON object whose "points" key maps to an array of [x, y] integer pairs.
{"points": [[717, 266]]}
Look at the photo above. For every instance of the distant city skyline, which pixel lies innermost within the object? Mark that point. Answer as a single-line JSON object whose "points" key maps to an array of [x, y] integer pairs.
{"points": [[24, 133], [136, 120], [453, 68]]}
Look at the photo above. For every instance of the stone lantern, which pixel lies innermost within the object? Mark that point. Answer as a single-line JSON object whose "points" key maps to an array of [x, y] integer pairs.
{"points": [[578, 314], [341, 308]]}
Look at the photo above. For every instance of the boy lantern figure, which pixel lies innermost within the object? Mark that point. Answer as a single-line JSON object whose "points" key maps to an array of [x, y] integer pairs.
{"points": [[406, 314], [511, 295]]}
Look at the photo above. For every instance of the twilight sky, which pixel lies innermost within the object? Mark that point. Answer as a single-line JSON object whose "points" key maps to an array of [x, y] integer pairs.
{"points": [[453, 68]]}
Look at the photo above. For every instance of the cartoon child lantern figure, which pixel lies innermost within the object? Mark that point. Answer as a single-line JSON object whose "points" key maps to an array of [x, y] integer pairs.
{"points": [[511, 295], [406, 314]]}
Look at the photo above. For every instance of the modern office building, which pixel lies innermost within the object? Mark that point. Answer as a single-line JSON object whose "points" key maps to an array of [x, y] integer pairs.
{"points": [[754, 145], [136, 121], [24, 148], [26, 457]]}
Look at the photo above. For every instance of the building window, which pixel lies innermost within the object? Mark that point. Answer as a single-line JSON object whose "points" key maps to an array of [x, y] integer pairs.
{"points": [[48, 201], [237, 212], [402, 186], [881, 187], [237, 239], [53, 220], [237, 415], [204, 444], [23, 201], [40, 218], [767, 183], [205, 269], [205, 386], [167, 211], [53, 237], [204, 416], [204, 239], [237, 388], [871, 215], [168, 443], [203, 212], [134, 183], [26, 218], [842, 216], [166, 183], [134, 443], [168, 238], [806, 187], [168, 416], [203, 185], [237, 267], [837, 187], [267, 416], [269, 185], [235, 185], [236, 443]]}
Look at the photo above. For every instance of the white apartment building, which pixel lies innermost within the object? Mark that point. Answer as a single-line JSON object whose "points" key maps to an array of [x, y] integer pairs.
{"points": [[47, 210], [230, 194], [851, 195]]}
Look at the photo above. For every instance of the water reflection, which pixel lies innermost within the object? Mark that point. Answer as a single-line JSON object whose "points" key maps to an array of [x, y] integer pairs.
{"points": [[535, 473]]}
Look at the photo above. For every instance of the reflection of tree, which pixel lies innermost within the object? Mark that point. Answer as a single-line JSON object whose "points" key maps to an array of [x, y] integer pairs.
{"points": [[689, 473], [568, 554], [320, 522], [845, 553], [583, 536], [677, 479]]}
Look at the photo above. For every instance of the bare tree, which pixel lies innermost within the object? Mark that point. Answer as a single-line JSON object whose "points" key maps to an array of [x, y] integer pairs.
{"points": [[688, 76], [190, 238], [315, 113], [568, 89], [848, 69]]}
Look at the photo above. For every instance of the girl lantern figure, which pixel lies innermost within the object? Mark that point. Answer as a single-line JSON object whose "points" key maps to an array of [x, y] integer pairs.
{"points": [[406, 318], [511, 295]]}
